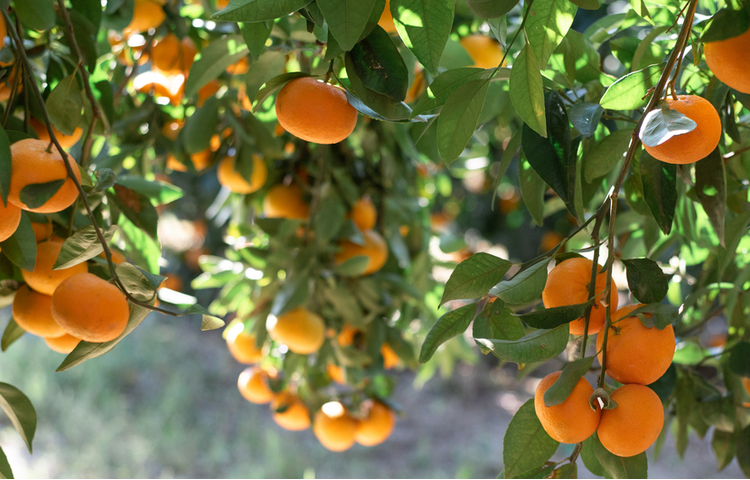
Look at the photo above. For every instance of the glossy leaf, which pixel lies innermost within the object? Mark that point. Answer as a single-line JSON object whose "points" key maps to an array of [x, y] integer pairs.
{"points": [[546, 26], [566, 382], [370, 101], [139, 283], [743, 451], [646, 280], [213, 61], [160, 192], [200, 126], [554, 317], [20, 248], [527, 91], [498, 322], [442, 87], [526, 445], [727, 23], [711, 189], [474, 277], [585, 117], [525, 286], [538, 346], [81, 246], [448, 326], [258, 10], [293, 294], [459, 117], [659, 315], [629, 92], [659, 181], [379, 65], [275, 84], [20, 411], [346, 19]]}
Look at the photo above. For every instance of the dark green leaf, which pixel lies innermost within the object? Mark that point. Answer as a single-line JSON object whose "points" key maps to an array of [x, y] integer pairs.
{"points": [[81, 246], [548, 23], [36, 14], [12, 333], [585, 117], [137, 208], [36, 194], [20, 411], [443, 85], [258, 10], [255, 35], [424, 27], [664, 386], [660, 315], [448, 326], [620, 467], [526, 286], [646, 280], [659, 189], [491, 8], [554, 317], [743, 451], [527, 91], [537, 346], [106, 179], [200, 127], [159, 192], [346, 19], [5, 166], [604, 156], [526, 445], [723, 444], [293, 294], [213, 61], [662, 124], [497, 322], [532, 189], [90, 9], [367, 101], [65, 105], [559, 391], [459, 117], [739, 359], [20, 248], [711, 188], [474, 277], [588, 455], [5, 470], [379, 65], [726, 23], [628, 92]]}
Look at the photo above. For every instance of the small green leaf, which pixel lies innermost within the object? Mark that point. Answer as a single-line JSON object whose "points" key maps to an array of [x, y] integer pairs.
{"points": [[526, 445], [474, 277], [620, 467], [527, 91], [538, 346], [525, 286], [554, 317], [255, 35], [629, 92], [442, 87], [662, 124], [585, 117], [20, 248], [448, 326], [65, 105], [36, 194], [5, 470], [659, 189], [603, 157], [213, 61], [258, 10], [458, 118], [559, 391], [646, 280], [81, 246], [20, 411], [424, 27], [346, 19], [379, 65], [12, 333]]}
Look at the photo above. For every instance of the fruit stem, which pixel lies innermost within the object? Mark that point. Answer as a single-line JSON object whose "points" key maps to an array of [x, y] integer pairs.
{"points": [[594, 272]]}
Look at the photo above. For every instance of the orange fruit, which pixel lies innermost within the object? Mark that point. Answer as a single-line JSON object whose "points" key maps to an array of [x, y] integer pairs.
{"points": [[66, 141], [386, 19], [315, 111], [635, 424], [696, 144], [571, 421], [64, 344], [242, 346], [222, 3], [207, 91], [300, 330], [336, 373], [417, 87], [295, 416], [43, 279], [390, 359], [364, 214], [377, 426], [729, 61], [746, 384], [31, 164], [374, 248], [10, 218], [42, 231], [485, 51], [550, 239], [147, 14], [241, 67], [202, 159], [3, 32], [346, 336], [636, 354], [6, 87], [334, 427], [285, 201], [90, 308], [171, 87], [172, 129], [253, 385], [235, 182], [117, 258], [32, 311], [568, 284]]}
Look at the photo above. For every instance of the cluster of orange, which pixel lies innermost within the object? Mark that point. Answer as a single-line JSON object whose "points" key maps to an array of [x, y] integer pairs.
{"points": [[65, 305], [334, 426], [636, 356]]}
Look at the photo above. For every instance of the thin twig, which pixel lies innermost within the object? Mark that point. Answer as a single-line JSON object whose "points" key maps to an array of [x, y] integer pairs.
{"points": [[512, 41]]}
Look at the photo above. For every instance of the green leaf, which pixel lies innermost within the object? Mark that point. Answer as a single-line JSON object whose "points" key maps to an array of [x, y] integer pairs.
{"points": [[459, 117], [527, 91], [379, 65], [525, 286], [725, 24], [723, 444], [142, 248], [661, 315], [659, 189], [424, 27], [329, 216], [208, 321], [258, 10], [139, 283], [585, 117], [743, 451], [588, 456], [662, 124], [5, 166], [739, 359], [5, 470], [136, 207], [603, 157], [546, 26], [588, 5], [90, 9], [213, 61], [554, 317], [474, 277], [81, 246], [65, 105], [711, 189], [497, 322], [200, 127], [538, 346], [85, 350], [255, 35], [491, 8], [532, 190], [371, 103], [160, 193], [293, 294], [442, 87], [20, 411], [448, 326], [646, 280], [36, 194], [275, 84], [346, 19], [620, 467], [12, 333], [20, 248], [353, 267], [628, 92], [526, 445], [559, 391], [36, 14]]}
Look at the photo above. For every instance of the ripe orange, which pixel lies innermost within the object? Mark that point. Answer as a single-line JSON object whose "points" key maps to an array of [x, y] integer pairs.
{"points": [[729, 61], [31, 164], [253, 385], [336, 373], [295, 416], [390, 359], [207, 91], [147, 14], [694, 145], [746, 384], [334, 427], [172, 55], [374, 248], [43, 279], [10, 218], [571, 421], [386, 19], [64, 344], [42, 231], [3, 32], [568, 284], [315, 111], [635, 424], [241, 67], [90, 308], [636, 354], [235, 182], [241, 344], [172, 129], [300, 330], [417, 87], [66, 141], [364, 214], [346, 336], [285, 201], [160, 85], [377, 426], [485, 51], [32, 311]]}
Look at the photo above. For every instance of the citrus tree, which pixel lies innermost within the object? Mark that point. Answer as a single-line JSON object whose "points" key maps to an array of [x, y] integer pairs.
{"points": [[314, 164]]}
